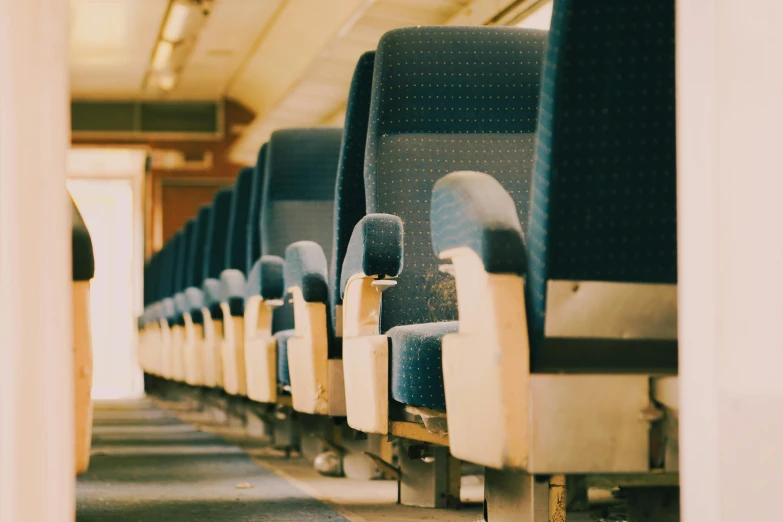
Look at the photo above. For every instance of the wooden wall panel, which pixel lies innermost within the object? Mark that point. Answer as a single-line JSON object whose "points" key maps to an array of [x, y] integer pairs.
{"points": [[182, 201]]}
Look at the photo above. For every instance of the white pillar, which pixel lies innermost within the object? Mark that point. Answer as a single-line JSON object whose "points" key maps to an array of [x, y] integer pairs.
{"points": [[36, 360], [730, 109]]}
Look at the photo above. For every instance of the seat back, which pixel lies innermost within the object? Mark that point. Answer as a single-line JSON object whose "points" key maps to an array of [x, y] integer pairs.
{"points": [[232, 279], [151, 284], [238, 221], [603, 206], [170, 277], [215, 250], [446, 99], [253, 238], [298, 201], [349, 205], [183, 260], [195, 268]]}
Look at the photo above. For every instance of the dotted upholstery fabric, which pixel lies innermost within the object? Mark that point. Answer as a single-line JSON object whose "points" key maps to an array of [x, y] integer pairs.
{"points": [[83, 260], [253, 239], [305, 267], [444, 99], [604, 203], [298, 202], [349, 193], [416, 366], [375, 248]]}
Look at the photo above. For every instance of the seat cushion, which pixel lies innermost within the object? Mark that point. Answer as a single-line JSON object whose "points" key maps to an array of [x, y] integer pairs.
{"points": [[416, 367], [283, 377]]}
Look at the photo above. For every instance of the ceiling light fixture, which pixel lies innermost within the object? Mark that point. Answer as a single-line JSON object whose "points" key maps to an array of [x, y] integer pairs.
{"points": [[166, 81], [176, 22], [178, 35], [160, 59]]}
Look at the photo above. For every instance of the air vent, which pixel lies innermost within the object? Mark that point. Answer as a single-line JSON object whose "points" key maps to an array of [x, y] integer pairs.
{"points": [[146, 119]]}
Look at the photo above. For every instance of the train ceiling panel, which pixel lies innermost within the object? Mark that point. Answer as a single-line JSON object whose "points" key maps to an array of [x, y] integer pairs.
{"points": [[315, 94], [111, 45], [289, 61]]}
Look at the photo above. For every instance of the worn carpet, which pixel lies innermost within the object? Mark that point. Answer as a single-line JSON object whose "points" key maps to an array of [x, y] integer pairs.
{"points": [[147, 466]]}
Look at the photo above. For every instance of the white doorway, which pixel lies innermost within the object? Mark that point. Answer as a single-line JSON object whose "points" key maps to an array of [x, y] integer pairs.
{"points": [[105, 188]]}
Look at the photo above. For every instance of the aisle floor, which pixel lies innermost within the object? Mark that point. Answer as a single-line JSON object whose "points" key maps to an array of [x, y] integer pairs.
{"points": [[149, 465]]}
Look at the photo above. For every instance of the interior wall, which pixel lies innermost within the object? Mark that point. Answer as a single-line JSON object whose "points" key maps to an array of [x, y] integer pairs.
{"points": [[729, 109], [181, 199]]}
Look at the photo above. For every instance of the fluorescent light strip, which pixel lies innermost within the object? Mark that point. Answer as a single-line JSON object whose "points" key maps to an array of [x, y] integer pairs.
{"points": [[176, 22], [166, 81], [162, 55]]}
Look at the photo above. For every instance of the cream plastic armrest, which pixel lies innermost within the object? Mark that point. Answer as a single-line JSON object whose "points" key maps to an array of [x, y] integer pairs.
{"points": [[260, 351], [486, 368], [308, 356], [365, 356]]}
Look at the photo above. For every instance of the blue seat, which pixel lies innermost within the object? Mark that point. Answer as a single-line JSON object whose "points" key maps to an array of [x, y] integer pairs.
{"points": [[215, 251], [154, 346], [597, 251], [465, 113], [168, 312], [417, 377], [180, 301], [312, 275], [214, 264], [349, 203], [233, 277], [194, 294], [193, 316], [298, 201], [147, 344], [263, 292], [253, 230], [232, 282], [183, 260], [604, 191]]}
